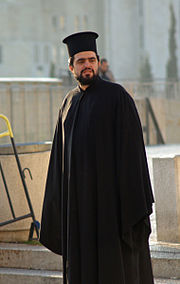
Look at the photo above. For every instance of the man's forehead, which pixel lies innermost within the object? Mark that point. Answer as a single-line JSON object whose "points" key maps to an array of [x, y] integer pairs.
{"points": [[85, 54]]}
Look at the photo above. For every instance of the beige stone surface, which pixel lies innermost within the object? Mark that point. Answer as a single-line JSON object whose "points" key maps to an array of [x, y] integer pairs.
{"points": [[38, 164], [33, 110], [166, 176], [177, 177], [14, 236], [25, 256]]}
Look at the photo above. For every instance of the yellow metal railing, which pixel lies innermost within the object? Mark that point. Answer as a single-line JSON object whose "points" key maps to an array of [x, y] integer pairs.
{"points": [[9, 131], [35, 225]]}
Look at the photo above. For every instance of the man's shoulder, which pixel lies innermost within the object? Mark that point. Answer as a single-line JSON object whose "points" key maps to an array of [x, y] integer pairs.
{"points": [[69, 96], [72, 93], [111, 85], [115, 90]]}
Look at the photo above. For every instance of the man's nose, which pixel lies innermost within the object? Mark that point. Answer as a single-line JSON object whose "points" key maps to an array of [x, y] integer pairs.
{"points": [[87, 63]]}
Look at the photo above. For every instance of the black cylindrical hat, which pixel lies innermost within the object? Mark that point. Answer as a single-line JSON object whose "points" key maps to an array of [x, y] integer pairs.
{"points": [[82, 41]]}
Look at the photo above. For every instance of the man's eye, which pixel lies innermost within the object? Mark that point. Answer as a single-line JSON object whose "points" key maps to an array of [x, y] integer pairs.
{"points": [[80, 61], [92, 60]]}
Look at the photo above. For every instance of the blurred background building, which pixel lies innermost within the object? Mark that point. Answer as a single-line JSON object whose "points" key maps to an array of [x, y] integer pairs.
{"points": [[132, 32], [139, 38]]}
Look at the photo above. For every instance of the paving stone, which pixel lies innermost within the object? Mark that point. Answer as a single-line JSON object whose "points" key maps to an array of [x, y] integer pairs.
{"points": [[167, 281], [28, 257], [165, 260], [28, 264], [27, 276]]}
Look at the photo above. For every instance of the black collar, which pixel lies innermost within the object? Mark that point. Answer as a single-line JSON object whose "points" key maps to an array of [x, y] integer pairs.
{"points": [[94, 84]]}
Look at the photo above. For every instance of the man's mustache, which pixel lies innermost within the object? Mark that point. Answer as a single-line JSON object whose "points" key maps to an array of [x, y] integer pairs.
{"points": [[87, 69]]}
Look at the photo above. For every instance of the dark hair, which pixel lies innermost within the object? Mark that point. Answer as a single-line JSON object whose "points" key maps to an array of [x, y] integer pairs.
{"points": [[71, 60], [103, 60]]}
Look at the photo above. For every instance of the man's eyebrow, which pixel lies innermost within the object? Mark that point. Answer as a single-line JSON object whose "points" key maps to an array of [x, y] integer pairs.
{"points": [[84, 58]]}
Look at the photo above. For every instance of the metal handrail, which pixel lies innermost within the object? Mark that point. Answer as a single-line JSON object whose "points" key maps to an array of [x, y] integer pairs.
{"points": [[35, 224], [149, 110], [9, 131]]}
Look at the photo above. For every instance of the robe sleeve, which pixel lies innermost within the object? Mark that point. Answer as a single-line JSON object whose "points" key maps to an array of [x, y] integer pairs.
{"points": [[134, 187], [50, 235]]}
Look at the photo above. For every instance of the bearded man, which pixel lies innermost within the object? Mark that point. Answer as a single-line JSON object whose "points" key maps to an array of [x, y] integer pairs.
{"points": [[98, 194]]}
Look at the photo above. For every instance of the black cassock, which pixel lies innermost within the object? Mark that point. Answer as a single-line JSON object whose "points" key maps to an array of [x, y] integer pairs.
{"points": [[98, 195]]}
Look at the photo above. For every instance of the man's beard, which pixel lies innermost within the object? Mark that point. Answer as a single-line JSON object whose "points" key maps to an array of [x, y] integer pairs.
{"points": [[84, 81]]}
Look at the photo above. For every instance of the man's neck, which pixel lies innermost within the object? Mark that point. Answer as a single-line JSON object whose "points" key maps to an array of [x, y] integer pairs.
{"points": [[84, 87]]}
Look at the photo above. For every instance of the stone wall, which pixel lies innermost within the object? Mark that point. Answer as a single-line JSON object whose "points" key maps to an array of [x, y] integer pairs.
{"points": [[33, 108]]}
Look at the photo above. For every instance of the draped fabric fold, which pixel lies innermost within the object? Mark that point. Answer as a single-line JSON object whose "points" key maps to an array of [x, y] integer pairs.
{"points": [[98, 193]]}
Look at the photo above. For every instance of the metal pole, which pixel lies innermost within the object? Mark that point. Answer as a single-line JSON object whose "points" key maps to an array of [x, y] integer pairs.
{"points": [[31, 214], [15, 220], [147, 123], [24, 185], [158, 131], [7, 192], [51, 111]]}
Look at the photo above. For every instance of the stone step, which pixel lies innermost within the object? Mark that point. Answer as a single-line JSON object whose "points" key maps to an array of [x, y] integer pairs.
{"points": [[27, 276], [28, 257], [166, 281], [166, 260]]}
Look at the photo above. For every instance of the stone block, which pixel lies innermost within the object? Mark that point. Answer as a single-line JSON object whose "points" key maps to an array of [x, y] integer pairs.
{"points": [[25, 256], [164, 165], [26, 276], [165, 260]]}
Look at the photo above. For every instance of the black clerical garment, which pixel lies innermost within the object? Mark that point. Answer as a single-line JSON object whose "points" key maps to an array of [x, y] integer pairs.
{"points": [[98, 195]]}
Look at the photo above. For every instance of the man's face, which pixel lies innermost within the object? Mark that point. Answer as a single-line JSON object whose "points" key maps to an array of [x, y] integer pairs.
{"points": [[85, 67], [104, 66]]}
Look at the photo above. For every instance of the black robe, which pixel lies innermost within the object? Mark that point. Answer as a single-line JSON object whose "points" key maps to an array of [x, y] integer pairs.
{"points": [[98, 194]]}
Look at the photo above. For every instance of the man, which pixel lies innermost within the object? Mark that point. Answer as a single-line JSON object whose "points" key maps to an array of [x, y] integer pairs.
{"points": [[104, 71], [98, 194]]}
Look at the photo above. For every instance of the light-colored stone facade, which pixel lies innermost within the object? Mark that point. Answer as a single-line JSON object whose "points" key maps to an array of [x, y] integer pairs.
{"points": [[156, 34], [140, 28], [32, 107], [31, 34]]}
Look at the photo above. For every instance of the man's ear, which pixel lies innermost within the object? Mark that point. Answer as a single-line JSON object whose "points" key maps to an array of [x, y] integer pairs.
{"points": [[71, 68]]}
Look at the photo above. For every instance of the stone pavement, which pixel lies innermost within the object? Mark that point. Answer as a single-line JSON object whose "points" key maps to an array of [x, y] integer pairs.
{"points": [[167, 281], [163, 150], [166, 261], [26, 264]]}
